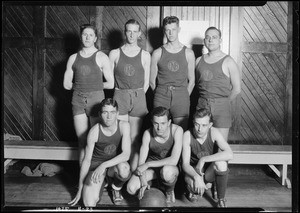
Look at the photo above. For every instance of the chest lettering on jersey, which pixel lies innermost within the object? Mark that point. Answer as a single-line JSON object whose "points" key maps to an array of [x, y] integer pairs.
{"points": [[129, 70], [173, 66], [207, 75], [110, 149], [163, 153], [85, 70]]}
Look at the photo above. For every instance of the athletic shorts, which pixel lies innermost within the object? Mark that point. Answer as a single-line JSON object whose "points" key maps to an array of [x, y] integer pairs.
{"points": [[176, 99], [220, 109], [131, 102], [87, 102]]}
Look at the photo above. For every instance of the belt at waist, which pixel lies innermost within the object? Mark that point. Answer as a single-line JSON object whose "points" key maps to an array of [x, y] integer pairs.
{"points": [[171, 87], [129, 89]]}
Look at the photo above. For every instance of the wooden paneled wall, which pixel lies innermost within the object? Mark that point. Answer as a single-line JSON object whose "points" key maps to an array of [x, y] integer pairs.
{"points": [[37, 41], [266, 89], [256, 37]]}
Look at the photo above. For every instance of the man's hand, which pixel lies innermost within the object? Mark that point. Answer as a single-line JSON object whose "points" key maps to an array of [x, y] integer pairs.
{"points": [[142, 168], [97, 174], [199, 185], [144, 185], [76, 199]]}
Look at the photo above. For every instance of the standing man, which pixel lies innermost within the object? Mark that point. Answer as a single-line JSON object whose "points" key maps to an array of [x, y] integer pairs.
{"points": [[84, 73], [200, 162], [131, 66], [172, 75], [218, 81], [106, 155], [159, 155]]}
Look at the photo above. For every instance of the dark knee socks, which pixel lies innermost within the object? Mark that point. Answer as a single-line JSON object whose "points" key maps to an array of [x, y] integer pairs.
{"points": [[170, 186], [118, 181], [221, 183]]}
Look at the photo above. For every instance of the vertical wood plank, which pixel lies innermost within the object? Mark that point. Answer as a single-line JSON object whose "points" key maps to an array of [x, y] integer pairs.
{"points": [[99, 24], [153, 22], [288, 118], [190, 13], [235, 51], [196, 13], [39, 58]]}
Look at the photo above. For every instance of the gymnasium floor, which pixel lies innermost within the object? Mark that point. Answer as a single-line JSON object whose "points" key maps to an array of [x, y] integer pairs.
{"points": [[250, 188]]}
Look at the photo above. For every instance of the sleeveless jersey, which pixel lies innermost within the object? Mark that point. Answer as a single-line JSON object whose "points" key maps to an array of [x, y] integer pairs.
{"points": [[211, 81], [158, 151], [87, 74], [172, 69], [107, 147], [129, 71], [200, 150]]}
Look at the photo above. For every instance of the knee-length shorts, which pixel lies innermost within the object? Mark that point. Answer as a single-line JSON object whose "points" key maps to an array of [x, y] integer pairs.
{"points": [[87, 102], [220, 109], [131, 102], [176, 99]]}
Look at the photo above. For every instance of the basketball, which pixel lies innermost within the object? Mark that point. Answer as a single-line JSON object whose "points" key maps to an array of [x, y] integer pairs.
{"points": [[153, 197]]}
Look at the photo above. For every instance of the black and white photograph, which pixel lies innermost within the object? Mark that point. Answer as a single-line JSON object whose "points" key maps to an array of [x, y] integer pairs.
{"points": [[150, 106]]}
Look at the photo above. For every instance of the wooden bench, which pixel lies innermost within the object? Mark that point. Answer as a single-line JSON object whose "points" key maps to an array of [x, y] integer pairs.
{"points": [[270, 155], [39, 150]]}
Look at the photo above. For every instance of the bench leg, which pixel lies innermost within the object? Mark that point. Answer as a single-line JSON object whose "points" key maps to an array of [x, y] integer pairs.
{"points": [[282, 174], [285, 180]]}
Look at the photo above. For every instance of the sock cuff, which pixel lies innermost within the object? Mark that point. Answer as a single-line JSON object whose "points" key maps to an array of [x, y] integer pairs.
{"points": [[115, 187], [222, 172]]}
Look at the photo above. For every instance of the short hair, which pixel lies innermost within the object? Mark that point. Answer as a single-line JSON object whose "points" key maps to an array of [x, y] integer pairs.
{"points": [[170, 20], [84, 26], [201, 113], [132, 21], [160, 111], [108, 102], [214, 28]]}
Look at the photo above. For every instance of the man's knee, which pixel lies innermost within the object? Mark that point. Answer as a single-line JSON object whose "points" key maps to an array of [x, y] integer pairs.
{"points": [[221, 166], [169, 173], [90, 202], [89, 197], [123, 170], [133, 185]]}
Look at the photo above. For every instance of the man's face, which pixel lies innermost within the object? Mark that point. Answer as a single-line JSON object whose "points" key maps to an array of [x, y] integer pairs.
{"points": [[171, 31], [88, 37], [132, 33], [161, 124], [109, 115], [202, 126], [212, 40]]}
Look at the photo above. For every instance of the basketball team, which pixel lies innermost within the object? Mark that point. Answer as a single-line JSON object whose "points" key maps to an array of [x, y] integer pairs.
{"points": [[113, 147]]}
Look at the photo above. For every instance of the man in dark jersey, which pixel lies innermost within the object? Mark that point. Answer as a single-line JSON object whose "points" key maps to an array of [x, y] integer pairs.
{"points": [[131, 68], [172, 74], [159, 156], [201, 161], [84, 73], [106, 155], [218, 81]]}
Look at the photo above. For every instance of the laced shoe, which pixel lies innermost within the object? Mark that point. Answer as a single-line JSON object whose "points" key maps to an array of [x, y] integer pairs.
{"points": [[117, 197], [170, 197], [192, 197], [221, 203]]}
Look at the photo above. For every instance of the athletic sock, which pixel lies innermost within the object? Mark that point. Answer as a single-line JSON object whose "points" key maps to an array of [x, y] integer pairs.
{"points": [[118, 181], [170, 186], [221, 183]]}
